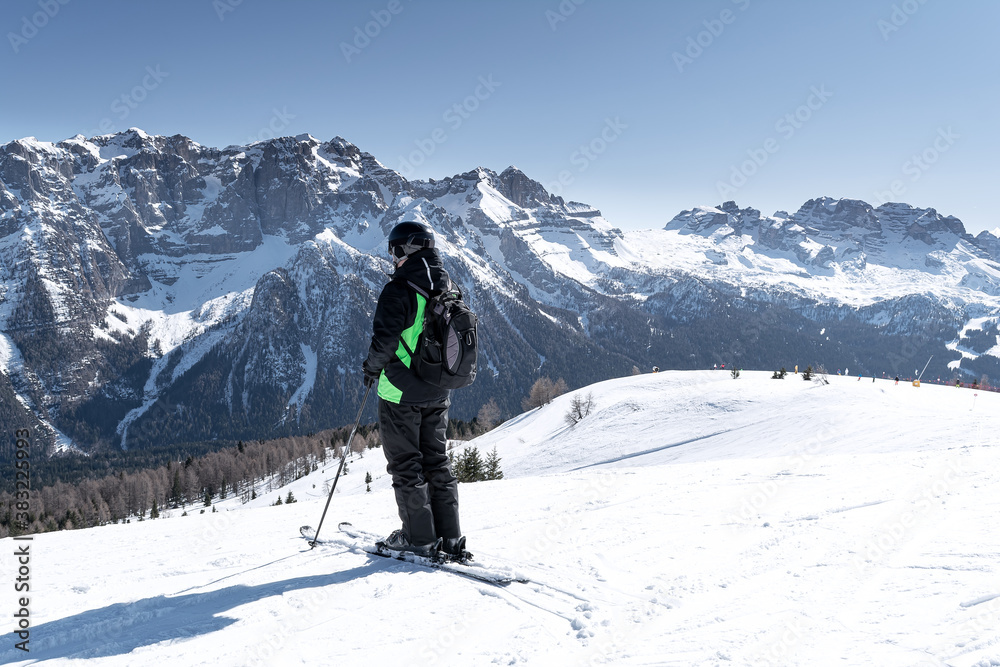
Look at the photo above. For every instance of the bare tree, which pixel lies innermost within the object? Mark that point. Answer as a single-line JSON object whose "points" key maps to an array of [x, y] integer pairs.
{"points": [[579, 407], [542, 392], [489, 415]]}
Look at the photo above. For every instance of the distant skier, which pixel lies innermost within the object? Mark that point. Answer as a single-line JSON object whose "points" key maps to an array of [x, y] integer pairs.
{"points": [[897, 379], [413, 414]]}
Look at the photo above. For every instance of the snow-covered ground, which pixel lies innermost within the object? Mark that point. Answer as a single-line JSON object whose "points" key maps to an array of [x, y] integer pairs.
{"points": [[690, 519]]}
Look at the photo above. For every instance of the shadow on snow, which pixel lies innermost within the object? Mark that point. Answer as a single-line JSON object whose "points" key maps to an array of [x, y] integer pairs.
{"points": [[119, 629]]}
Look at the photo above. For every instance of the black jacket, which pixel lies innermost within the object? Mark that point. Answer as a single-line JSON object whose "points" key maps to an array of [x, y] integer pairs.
{"points": [[396, 313]]}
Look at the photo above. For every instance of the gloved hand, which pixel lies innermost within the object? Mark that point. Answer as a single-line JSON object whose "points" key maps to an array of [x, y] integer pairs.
{"points": [[371, 377]]}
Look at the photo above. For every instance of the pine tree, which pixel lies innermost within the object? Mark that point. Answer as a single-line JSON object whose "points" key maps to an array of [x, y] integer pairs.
{"points": [[290, 499], [493, 466], [469, 466], [808, 374], [368, 481], [278, 501], [208, 498], [155, 512]]}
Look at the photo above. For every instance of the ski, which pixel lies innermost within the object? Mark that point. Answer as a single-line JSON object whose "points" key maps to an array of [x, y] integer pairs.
{"points": [[370, 544]]}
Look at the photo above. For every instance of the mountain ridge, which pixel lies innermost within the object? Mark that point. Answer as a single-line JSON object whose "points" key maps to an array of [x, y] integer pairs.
{"points": [[139, 270]]}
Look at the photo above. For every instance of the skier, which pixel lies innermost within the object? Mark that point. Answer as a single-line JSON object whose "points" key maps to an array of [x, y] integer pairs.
{"points": [[413, 414]]}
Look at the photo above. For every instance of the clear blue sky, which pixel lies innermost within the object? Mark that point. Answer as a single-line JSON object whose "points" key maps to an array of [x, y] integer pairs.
{"points": [[670, 99]]}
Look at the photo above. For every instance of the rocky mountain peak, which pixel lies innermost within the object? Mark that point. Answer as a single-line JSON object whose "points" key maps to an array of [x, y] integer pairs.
{"points": [[709, 220], [826, 214], [523, 191]]}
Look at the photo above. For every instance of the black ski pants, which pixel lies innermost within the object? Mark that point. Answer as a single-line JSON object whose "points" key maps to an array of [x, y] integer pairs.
{"points": [[414, 439]]}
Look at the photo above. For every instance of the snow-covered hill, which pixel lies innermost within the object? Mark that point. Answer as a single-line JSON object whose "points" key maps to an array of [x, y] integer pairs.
{"points": [[690, 519]]}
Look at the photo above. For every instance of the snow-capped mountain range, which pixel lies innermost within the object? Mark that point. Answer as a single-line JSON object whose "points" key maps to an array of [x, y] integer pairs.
{"points": [[155, 290]]}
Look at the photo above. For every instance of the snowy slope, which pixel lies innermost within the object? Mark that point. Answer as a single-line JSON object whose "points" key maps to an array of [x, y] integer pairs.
{"points": [[690, 519]]}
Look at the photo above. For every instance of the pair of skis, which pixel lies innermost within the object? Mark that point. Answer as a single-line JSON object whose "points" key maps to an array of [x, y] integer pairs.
{"points": [[374, 545]]}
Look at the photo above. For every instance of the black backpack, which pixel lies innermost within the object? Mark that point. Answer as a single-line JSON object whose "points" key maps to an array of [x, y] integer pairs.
{"points": [[446, 352]]}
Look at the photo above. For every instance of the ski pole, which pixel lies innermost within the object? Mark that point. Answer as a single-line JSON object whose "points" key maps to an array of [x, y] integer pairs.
{"points": [[343, 457]]}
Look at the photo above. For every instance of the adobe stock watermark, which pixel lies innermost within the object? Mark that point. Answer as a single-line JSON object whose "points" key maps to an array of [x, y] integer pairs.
{"points": [[363, 35], [280, 120], [563, 11], [895, 532], [454, 117], [778, 651], [223, 7], [599, 487], [587, 154], [766, 491], [123, 105], [918, 164], [31, 25], [441, 645], [786, 126], [308, 603], [899, 17], [697, 44]]}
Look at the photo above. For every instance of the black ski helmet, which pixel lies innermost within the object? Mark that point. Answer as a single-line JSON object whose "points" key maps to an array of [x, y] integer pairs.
{"points": [[408, 237]]}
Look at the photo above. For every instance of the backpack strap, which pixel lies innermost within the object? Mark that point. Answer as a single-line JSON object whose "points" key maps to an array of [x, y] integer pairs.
{"points": [[422, 292], [429, 295], [419, 290]]}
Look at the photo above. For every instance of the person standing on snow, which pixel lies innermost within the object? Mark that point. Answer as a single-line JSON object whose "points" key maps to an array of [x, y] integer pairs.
{"points": [[413, 414]]}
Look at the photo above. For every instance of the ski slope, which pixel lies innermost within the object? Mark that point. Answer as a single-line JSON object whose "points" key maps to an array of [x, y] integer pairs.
{"points": [[690, 519]]}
